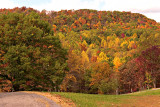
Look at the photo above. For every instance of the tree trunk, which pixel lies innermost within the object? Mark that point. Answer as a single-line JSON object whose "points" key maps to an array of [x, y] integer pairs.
{"points": [[131, 90], [148, 86], [117, 92], [154, 83]]}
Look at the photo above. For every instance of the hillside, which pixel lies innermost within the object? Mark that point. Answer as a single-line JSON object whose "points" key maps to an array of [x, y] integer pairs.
{"points": [[107, 52]]}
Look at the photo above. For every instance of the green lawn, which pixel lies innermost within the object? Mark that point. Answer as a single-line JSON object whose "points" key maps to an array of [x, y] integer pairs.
{"points": [[146, 92], [93, 100]]}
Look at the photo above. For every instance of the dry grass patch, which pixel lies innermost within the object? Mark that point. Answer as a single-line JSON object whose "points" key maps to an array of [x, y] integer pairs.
{"points": [[64, 102]]}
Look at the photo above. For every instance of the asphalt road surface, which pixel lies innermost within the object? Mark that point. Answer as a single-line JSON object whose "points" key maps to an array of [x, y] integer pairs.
{"points": [[21, 99]]}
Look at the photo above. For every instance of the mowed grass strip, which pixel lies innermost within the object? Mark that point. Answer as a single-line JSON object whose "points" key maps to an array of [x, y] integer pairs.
{"points": [[139, 99], [91, 100]]}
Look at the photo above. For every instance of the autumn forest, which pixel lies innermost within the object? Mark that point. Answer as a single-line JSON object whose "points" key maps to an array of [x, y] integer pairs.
{"points": [[82, 51]]}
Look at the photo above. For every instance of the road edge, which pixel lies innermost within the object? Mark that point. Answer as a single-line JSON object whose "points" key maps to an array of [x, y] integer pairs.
{"points": [[63, 102]]}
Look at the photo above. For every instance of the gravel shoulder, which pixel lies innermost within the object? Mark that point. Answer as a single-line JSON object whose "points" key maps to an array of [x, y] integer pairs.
{"points": [[23, 99], [63, 102]]}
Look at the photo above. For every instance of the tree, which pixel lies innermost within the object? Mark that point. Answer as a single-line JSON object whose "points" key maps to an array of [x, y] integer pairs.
{"points": [[101, 78], [102, 57], [141, 72], [131, 77], [33, 59], [117, 63], [150, 61], [75, 79]]}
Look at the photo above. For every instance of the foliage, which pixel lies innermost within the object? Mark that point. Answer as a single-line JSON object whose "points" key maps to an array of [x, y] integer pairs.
{"points": [[107, 51], [31, 58]]}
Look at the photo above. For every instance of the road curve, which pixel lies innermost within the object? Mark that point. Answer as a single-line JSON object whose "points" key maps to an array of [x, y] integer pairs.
{"points": [[21, 99]]}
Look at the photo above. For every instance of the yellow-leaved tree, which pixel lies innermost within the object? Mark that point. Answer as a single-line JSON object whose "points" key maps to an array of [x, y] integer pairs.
{"points": [[131, 44], [102, 57], [117, 63], [75, 78], [85, 59], [103, 43], [101, 78]]}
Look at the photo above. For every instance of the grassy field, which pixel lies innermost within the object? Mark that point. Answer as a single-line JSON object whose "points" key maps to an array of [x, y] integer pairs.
{"points": [[139, 99]]}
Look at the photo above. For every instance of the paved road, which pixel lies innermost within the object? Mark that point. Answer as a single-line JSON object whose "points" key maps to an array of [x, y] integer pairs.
{"points": [[21, 99]]}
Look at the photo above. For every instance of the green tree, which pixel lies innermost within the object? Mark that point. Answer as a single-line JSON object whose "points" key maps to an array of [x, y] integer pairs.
{"points": [[33, 59]]}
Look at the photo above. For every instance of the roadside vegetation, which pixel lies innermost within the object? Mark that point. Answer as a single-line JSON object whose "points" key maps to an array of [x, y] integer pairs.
{"points": [[146, 98]]}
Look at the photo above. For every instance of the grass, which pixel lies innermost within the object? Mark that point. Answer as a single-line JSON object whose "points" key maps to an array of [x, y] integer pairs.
{"points": [[146, 92], [93, 100]]}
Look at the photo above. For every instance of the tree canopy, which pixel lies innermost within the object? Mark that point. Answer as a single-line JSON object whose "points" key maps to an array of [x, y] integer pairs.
{"points": [[107, 52], [31, 57]]}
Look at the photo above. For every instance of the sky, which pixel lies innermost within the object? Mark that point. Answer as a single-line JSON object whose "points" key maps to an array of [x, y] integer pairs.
{"points": [[150, 8]]}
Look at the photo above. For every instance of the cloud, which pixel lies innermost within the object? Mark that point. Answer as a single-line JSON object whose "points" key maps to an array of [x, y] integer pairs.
{"points": [[150, 8], [129, 5], [146, 7], [7, 4], [120, 5], [155, 16], [70, 4]]}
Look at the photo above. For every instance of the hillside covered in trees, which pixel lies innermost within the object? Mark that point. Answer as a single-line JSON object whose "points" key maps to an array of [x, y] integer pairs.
{"points": [[87, 51]]}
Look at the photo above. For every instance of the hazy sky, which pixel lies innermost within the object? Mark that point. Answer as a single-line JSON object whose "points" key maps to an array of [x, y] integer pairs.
{"points": [[150, 8]]}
